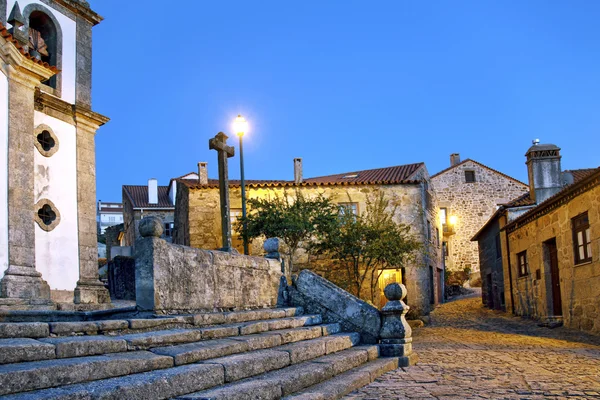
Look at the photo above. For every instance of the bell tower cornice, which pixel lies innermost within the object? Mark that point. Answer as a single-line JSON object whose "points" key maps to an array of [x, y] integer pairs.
{"points": [[17, 65]]}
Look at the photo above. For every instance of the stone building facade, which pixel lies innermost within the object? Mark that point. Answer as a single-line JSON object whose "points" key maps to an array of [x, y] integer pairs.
{"points": [[48, 244], [554, 257], [197, 214], [468, 193], [143, 201]]}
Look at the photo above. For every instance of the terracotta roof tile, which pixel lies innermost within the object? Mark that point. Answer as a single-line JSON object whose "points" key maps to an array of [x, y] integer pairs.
{"points": [[6, 35], [138, 194], [381, 176], [579, 174]]}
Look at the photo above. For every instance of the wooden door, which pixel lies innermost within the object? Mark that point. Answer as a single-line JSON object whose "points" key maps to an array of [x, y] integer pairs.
{"points": [[554, 278]]}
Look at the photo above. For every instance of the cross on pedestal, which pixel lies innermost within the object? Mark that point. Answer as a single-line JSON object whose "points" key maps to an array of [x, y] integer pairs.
{"points": [[219, 143]]}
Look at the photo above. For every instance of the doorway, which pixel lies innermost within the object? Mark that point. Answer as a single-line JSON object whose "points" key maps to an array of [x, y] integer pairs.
{"points": [[551, 254]]}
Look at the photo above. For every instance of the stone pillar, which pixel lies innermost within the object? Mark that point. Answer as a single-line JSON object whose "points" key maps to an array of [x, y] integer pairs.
{"points": [[21, 280], [395, 334], [89, 288], [151, 229], [271, 247]]}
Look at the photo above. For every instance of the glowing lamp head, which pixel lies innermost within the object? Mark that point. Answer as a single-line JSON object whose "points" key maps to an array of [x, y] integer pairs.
{"points": [[452, 220], [240, 125]]}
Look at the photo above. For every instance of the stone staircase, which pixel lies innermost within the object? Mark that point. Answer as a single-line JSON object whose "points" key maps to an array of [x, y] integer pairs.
{"points": [[260, 354]]}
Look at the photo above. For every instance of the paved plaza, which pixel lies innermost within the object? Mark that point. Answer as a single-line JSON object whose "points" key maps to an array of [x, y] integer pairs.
{"points": [[470, 352]]}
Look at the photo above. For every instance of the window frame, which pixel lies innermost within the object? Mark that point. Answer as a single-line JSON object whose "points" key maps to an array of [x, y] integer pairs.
{"points": [[470, 171], [522, 264], [348, 205], [581, 224]]}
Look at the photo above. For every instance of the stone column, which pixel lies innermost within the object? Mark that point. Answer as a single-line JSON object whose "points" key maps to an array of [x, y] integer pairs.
{"points": [[396, 334], [21, 280], [89, 288]]}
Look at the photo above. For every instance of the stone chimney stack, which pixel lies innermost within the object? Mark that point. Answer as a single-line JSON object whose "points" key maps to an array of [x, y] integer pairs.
{"points": [[454, 159], [203, 173], [297, 171], [543, 170], [152, 191]]}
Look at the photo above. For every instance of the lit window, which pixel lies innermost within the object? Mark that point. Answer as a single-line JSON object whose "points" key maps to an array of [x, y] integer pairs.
{"points": [[169, 229], [582, 240], [522, 264], [443, 215]]}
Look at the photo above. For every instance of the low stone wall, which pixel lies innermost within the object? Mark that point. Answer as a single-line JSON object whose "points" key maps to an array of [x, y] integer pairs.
{"points": [[179, 279], [319, 296], [121, 278]]}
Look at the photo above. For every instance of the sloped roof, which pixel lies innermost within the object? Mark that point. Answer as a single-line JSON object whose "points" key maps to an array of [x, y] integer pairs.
{"points": [[401, 174], [481, 165], [9, 38], [138, 195], [525, 200]]}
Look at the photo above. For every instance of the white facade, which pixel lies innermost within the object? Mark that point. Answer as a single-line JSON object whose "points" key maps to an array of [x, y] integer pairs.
{"points": [[57, 251], [3, 172], [69, 43]]}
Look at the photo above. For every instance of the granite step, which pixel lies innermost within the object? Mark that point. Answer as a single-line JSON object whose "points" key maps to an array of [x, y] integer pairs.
{"points": [[25, 349], [185, 379], [137, 325], [34, 375], [347, 382], [291, 379]]}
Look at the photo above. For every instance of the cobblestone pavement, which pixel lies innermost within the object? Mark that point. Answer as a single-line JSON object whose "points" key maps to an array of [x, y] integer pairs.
{"points": [[469, 352]]}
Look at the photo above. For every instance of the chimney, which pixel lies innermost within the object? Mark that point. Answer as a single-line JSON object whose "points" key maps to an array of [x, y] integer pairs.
{"points": [[297, 171], [152, 191], [543, 170], [454, 159], [203, 173]]}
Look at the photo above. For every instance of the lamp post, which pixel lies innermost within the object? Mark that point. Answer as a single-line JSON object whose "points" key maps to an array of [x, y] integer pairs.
{"points": [[240, 126]]}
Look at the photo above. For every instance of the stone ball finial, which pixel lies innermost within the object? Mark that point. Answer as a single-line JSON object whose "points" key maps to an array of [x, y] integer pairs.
{"points": [[395, 291], [271, 245], [151, 227]]}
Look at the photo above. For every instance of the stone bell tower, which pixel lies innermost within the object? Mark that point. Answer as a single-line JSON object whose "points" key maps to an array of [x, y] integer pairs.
{"points": [[48, 242]]}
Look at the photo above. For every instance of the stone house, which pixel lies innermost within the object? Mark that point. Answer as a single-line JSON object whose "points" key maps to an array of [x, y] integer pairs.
{"points": [[197, 215], [48, 243], [141, 201], [550, 244], [467, 194]]}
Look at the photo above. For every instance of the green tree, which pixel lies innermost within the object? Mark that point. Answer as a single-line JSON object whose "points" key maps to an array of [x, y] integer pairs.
{"points": [[295, 220], [361, 247]]}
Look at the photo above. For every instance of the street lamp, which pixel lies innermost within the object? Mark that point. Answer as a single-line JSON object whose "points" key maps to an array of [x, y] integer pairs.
{"points": [[240, 126]]}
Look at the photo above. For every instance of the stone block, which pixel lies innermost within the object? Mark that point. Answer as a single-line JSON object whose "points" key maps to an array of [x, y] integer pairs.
{"points": [[260, 341], [330, 329], [148, 340], [378, 367], [24, 330], [112, 325], [149, 323], [297, 334], [200, 351], [241, 366], [344, 361], [70, 328], [220, 332], [340, 341], [23, 350], [209, 319], [254, 327], [248, 389], [305, 350], [335, 388], [298, 377], [78, 346]]}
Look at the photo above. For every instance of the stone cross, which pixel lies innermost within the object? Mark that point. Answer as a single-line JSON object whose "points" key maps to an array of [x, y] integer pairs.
{"points": [[219, 143]]}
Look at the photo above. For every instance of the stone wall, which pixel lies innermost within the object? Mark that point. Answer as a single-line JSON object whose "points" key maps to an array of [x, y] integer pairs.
{"points": [[473, 204], [178, 279], [579, 284], [490, 259], [201, 227]]}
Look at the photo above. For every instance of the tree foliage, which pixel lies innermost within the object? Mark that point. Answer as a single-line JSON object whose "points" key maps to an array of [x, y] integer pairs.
{"points": [[296, 221], [361, 247]]}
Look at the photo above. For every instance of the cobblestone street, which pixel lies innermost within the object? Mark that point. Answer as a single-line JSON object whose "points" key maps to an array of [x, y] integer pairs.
{"points": [[470, 352]]}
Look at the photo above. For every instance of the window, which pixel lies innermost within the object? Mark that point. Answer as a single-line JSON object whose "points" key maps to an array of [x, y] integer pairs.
{"points": [[444, 215], [445, 249], [234, 214], [469, 176], [46, 214], [351, 208], [582, 242], [46, 140], [111, 219], [498, 247], [169, 229], [429, 231], [522, 264], [437, 236], [44, 41]]}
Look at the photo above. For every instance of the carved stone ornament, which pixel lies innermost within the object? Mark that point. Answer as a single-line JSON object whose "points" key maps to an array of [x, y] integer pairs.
{"points": [[46, 215], [45, 140]]}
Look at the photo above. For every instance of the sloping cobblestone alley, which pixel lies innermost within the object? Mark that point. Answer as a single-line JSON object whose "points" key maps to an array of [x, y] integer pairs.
{"points": [[470, 352]]}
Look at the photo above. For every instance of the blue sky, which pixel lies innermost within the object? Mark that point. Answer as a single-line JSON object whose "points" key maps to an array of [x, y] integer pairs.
{"points": [[346, 85]]}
